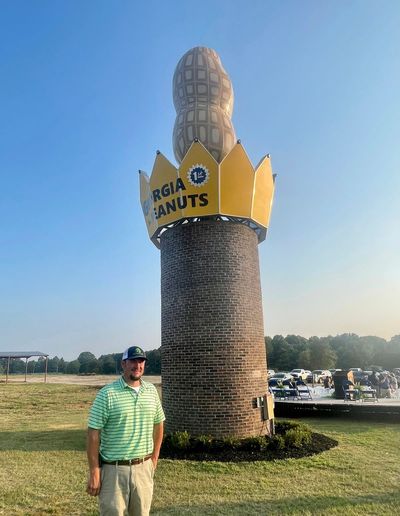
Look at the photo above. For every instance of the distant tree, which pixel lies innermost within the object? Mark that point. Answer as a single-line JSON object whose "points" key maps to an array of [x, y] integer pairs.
{"points": [[375, 343], [346, 348], [61, 365], [304, 360], [88, 362], [365, 350], [118, 359], [282, 355], [390, 357], [299, 345], [297, 341], [268, 350], [17, 366], [107, 364], [40, 366], [31, 366], [86, 356], [73, 367], [52, 366], [322, 356], [153, 363], [91, 366], [272, 348]]}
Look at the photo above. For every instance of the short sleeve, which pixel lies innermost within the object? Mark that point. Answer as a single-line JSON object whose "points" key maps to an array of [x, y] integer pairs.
{"points": [[159, 415], [98, 414]]}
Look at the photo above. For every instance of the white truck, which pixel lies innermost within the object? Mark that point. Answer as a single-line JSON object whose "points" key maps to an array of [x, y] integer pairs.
{"points": [[299, 373]]}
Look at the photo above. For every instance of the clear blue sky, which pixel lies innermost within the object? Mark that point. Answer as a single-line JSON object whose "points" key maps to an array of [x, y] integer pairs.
{"points": [[86, 100]]}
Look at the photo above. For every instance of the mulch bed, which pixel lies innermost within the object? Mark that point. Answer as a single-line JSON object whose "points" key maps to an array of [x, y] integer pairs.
{"points": [[318, 444]]}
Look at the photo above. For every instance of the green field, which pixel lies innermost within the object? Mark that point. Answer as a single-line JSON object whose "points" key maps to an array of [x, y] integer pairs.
{"points": [[43, 466]]}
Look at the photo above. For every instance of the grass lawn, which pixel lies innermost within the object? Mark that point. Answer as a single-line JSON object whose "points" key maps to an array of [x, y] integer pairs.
{"points": [[43, 466]]}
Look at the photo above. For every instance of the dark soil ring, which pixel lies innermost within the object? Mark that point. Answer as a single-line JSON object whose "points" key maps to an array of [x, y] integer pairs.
{"points": [[318, 444]]}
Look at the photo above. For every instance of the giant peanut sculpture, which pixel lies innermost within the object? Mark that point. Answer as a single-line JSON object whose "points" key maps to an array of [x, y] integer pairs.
{"points": [[207, 217], [203, 99]]}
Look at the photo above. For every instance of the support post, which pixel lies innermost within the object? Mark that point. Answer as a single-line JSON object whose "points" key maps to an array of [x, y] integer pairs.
{"points": [[8, 369], [45, 370]]}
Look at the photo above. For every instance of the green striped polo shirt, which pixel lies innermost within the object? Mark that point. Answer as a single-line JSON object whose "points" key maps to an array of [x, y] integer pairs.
{"points": [[126, 419]]}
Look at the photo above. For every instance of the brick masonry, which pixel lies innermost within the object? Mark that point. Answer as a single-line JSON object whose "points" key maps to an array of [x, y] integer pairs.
{"points": [[213, 352]]}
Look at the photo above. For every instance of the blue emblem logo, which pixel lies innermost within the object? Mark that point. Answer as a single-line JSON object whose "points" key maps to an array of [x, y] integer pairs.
{"points": [[198, 175]]}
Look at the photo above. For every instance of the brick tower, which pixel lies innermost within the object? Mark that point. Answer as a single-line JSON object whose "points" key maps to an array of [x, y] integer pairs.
{"points": [[207, 217]]}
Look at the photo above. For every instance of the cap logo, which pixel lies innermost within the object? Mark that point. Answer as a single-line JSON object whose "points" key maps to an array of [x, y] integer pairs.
{"points": [[133, 352]]}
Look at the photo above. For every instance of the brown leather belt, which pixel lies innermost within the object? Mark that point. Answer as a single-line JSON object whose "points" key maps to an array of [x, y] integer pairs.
{"points": [[130, 462]]}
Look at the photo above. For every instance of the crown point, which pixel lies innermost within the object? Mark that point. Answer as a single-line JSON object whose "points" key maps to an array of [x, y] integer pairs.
{"points": [[268, 155], [196, 140], [239, 142], [158, 152]]}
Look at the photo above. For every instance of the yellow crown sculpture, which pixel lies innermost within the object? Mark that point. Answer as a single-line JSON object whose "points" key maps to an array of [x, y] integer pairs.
{"points": [[201, 187]]}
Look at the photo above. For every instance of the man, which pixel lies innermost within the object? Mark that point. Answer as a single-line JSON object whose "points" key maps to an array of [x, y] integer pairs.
{"points": [[124, 439]]}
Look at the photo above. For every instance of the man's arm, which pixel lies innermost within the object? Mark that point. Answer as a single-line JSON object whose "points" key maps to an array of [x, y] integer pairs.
{"points": [[93, 447], [158, 432]]}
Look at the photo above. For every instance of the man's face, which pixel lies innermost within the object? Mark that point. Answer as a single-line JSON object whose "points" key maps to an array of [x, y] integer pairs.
{"points": [[133, 369]]}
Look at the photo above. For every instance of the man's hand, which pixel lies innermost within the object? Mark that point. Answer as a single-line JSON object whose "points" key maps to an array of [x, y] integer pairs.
{"points": [[94, 482]]}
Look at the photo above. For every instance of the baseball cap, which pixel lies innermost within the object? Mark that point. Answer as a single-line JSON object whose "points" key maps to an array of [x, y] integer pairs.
{"points": [[133, 352]]}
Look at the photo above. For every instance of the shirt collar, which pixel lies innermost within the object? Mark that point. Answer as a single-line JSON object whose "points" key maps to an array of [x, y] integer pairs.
{"points": [[124, 385]]}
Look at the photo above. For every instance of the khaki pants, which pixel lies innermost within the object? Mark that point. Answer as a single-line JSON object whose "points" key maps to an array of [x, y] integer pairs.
{"points": [[126, 490]]}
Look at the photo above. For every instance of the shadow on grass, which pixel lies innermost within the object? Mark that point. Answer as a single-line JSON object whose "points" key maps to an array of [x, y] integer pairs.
{"points": [[47, 440], [298, 505]]}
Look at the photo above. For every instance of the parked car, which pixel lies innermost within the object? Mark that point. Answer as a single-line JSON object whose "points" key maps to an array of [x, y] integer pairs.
{"points": [[318, 375], [280, 377], [274, 382], [270, 372], [333, 371], [298, 373]]}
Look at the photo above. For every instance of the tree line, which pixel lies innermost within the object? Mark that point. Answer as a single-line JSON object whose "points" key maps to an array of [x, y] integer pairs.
{"points": [[86, 363], [341, 352], [283, 354]]}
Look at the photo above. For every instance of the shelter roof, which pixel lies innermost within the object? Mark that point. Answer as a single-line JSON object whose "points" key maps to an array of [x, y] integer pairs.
{"points": [[22, 354]]}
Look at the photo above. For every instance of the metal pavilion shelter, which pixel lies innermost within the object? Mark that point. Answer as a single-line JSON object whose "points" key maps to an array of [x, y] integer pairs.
{"points": [[23, 354]]}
